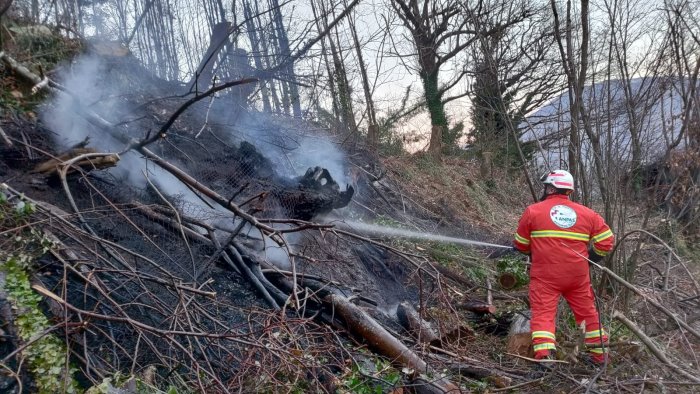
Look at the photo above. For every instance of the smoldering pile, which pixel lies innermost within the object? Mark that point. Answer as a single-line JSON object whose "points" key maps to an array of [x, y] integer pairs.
{"points": [[167, 254]]}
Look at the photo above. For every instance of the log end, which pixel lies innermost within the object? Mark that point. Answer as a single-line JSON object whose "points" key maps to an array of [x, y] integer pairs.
{"points": [[507, 281], [520, 344]]}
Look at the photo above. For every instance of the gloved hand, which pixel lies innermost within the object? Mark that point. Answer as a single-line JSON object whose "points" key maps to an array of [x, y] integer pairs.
{"points": [[593, 256]]}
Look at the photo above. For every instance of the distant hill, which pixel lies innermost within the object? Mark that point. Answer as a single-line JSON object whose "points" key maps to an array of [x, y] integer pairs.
{"points": [[653, 107]]}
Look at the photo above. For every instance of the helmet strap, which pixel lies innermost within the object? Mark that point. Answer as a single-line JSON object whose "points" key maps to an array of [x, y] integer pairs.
{"points": [[547, 191], [550, 190]]}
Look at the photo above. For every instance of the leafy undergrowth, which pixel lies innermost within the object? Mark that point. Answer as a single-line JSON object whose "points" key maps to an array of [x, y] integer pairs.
{"points": [[454, 188], [43, 353]]}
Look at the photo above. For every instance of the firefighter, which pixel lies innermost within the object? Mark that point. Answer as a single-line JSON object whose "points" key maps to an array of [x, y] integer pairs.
{"points": [[559, 234]]}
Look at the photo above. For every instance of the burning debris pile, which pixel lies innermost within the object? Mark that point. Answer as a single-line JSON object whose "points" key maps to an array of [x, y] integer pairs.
{"points": [[170, 248]]}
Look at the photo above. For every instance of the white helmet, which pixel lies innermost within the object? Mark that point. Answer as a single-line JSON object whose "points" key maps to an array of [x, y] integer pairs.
{"points": [[559, 178]]}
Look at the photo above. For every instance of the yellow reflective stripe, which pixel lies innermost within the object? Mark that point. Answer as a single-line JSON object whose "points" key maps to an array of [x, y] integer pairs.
{"points": [[594, 333], [522, 240], [560, 234], [544, 346], [600, 252], [604, 235], [597, 350], [543, 334]]}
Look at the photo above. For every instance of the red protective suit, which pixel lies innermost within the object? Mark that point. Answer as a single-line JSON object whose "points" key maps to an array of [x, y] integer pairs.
{"points": [[557, 232]]}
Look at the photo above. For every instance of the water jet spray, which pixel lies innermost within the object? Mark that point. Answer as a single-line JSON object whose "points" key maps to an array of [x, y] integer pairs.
{"points": [[398, 232]]}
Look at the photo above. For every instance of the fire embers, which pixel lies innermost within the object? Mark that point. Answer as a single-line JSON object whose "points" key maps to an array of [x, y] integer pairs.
{"points": [[316, 193]]}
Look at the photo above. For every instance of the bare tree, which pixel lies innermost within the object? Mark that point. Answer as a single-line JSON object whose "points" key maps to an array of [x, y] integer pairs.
{"points": [[683, 191], [441, 31], [514, 72], [257, 55], [372, 126], [289, 85]]}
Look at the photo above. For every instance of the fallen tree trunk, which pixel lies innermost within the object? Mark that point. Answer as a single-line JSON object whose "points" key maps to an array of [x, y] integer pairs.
{"points": [[479, 307], [362, 325], [476, 372], [411, 320]]}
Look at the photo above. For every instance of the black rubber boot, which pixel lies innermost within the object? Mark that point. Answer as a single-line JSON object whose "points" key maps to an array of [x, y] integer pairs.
{"points": [[588, 361], [542, 368]]}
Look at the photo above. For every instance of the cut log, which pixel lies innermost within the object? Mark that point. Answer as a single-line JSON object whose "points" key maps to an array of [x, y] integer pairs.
{"points": [[479, 307], [519, 337], [410, 319], [507, 280], [477, 372]]}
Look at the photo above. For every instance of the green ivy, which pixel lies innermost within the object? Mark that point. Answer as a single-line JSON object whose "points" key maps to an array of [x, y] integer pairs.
{"points": [[46, 357], [514, 265], [361, 381], [121, 383]]}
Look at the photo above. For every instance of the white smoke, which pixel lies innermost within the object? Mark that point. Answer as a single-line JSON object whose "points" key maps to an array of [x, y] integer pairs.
{"points": [[89, 89], [315, 151], [86, 90], [291, 145]]}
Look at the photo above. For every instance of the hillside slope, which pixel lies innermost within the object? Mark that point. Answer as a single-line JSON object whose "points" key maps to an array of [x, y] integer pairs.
{"points": [[217, 257]]}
